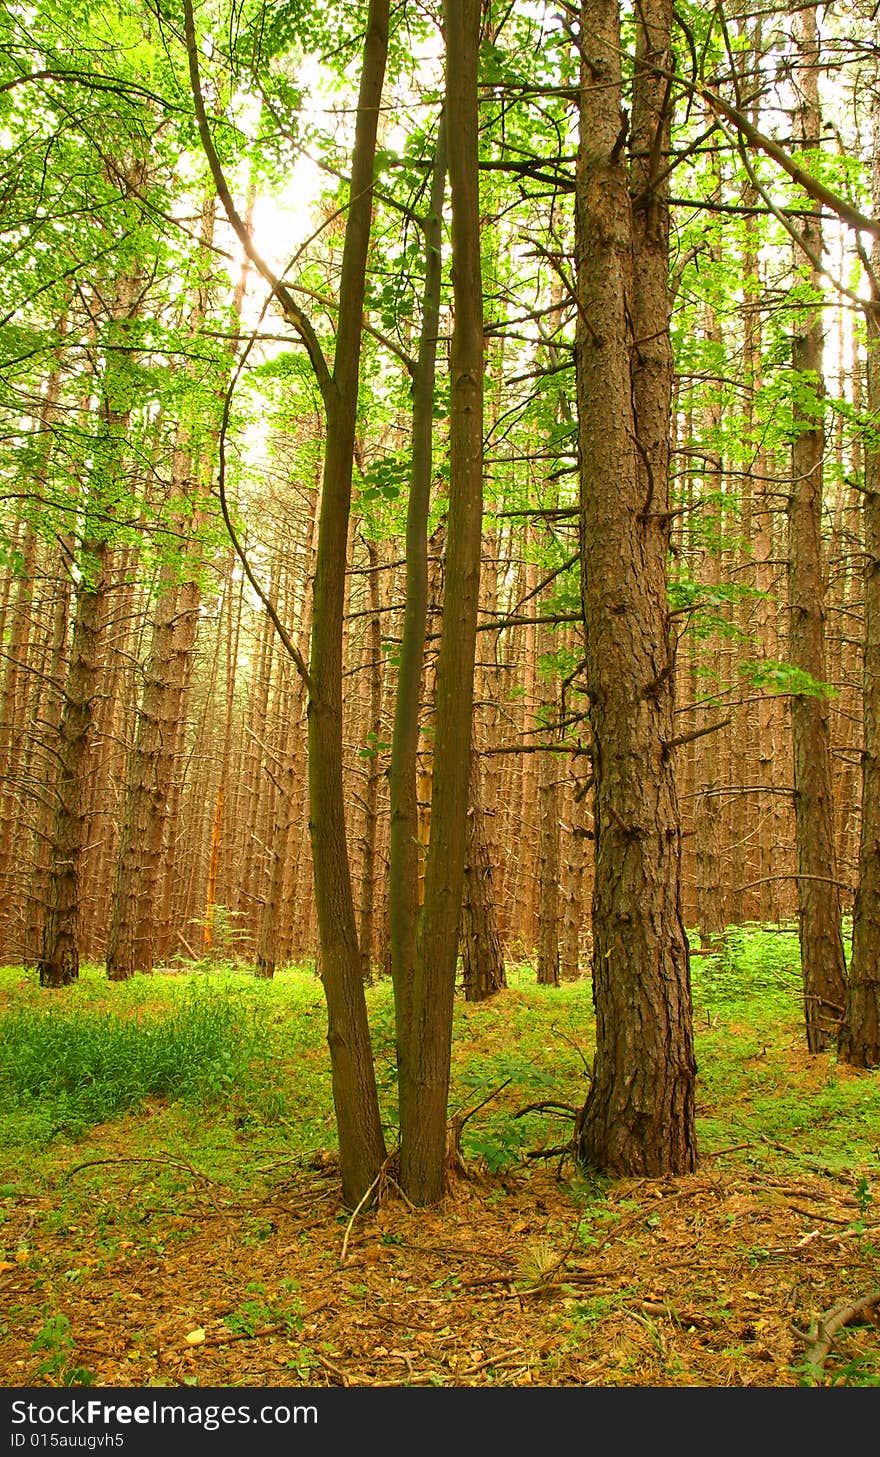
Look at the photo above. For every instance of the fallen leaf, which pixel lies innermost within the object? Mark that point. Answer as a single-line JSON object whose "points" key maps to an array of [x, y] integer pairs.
{"points": [[196, 1337]]}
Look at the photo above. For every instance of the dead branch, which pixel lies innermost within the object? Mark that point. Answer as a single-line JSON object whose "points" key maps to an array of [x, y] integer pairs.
{"points": [[565, 1110], [822, 1331]]}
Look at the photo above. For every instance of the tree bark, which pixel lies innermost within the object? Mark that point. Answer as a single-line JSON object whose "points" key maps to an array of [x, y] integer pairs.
{"points": [[859, 1040], [639, 1115], [424, 1103], [373, 666], [482, 956], [139, 856], [361, 1141], [823, 965], [60, 955], [404, 847]]}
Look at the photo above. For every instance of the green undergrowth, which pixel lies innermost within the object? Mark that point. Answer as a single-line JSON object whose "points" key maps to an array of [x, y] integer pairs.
{"points": [[231, 1070]]}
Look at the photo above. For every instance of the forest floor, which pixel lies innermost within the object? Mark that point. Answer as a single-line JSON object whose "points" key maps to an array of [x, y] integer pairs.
{"points": [[152, 1251]]}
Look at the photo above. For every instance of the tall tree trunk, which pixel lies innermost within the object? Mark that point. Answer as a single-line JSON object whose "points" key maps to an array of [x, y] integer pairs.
{"points": [[38, 889], [130, 945], [549, 867], [13, 717], [639, 1114], [424, 1105], [823, 964], [404, 846], [361, 1141], [372, 763], [291, 773], [59, 959], [60, 955], [358, 1122], [233, 601], [859, 1041]]}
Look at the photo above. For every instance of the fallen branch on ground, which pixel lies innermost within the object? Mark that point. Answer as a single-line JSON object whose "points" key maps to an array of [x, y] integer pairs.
{"points": [[823, 1330]]}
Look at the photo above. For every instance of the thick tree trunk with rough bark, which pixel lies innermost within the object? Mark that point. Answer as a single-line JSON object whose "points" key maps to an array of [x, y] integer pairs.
{"points": [[639, 1115], [60, 955], [59, 959]]}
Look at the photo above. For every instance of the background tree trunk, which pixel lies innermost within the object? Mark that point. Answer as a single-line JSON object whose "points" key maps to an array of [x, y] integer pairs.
{"points": [[859, 1040], [481, 952]]}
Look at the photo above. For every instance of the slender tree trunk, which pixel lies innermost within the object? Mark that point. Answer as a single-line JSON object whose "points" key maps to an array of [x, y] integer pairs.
{"points": [[423, 1135], [233, 603], [574, 892], [291, 772], [549, 865], [361, 1141], [639, 1115], [368, 879], [823, 964], [859, 1041], [404, 847], [38, 890], [13, 717]]}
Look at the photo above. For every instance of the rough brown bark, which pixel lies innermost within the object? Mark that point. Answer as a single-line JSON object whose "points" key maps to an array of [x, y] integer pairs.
{"points": [[60, 954], [59, 959], [130, 945], [291, 774], [369, 894], [639, 1116], [482, 956]]}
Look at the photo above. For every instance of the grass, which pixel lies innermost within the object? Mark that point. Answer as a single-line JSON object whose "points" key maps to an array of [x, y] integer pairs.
{"points": [[215, 1056], [748, 1026]]}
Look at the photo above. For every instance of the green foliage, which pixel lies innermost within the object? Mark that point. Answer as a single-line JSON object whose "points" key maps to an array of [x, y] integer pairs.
{"points": [[63, 1070], [750, 965], [778, 677], [55, 1346], [260, 1311], [708, 605], [374, 747]]}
